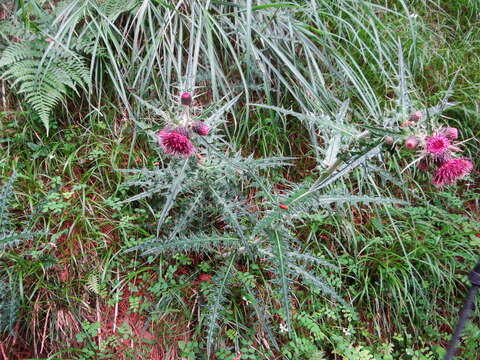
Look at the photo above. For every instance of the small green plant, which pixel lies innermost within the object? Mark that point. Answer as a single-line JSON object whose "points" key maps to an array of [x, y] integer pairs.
{"points": [[189, 350]]}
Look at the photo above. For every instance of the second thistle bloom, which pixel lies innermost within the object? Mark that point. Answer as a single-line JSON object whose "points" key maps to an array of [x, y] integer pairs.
{"points": [[451, 171], [175, 142], [437, 145]]}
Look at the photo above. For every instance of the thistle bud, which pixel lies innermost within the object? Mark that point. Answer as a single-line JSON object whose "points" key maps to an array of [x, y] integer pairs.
{"points": [[186, 99], [416, 116], [411, 142], [388, 140], [200, 128], [450, 132]]}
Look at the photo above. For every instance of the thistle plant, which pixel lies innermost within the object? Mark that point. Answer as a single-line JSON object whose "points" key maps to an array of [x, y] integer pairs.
{"points": [[208, 200]]}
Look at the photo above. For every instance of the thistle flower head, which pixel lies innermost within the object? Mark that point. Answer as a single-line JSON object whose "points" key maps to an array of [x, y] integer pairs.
{"points": [[200, 128], [411, 142], [186, 98], [175, 142], [437, 145], [450, 132], [451, 171]]}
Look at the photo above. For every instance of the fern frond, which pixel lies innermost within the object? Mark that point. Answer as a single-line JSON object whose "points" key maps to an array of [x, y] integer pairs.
{"points": [[45, 75], [114, 8], [17, 52], [93, 283]]}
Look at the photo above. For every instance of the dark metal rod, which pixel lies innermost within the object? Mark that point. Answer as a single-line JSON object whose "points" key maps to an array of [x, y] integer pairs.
{"points": [[464, 313]]}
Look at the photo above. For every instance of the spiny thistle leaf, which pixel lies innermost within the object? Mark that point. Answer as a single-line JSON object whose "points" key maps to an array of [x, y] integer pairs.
{"points": [[9, 302], [217, 299], [312, 259], [281, 267], [174, 190], [317, 282], [231, 217], [263, 315], [193, 242], [6, 194], [8, 239]]}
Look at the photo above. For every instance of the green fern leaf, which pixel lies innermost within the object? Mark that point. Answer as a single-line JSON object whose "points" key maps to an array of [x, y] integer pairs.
{"points": [[44, 75]]}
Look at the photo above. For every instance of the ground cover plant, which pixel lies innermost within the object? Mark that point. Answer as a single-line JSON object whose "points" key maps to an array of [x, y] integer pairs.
{"points": [[237, 179]]}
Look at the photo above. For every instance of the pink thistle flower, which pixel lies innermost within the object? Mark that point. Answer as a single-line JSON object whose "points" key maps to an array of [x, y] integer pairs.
{"points": [[186, 98], [437, 144], [175, 142], [450, 132], [451, 171], [411, 142], [201, 128]]}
